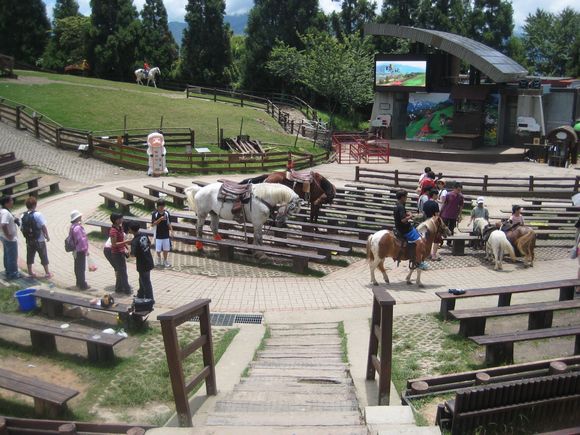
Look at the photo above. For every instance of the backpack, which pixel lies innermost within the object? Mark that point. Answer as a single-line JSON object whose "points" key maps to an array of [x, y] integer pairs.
{"points": [[30, 227], [69, 242]]}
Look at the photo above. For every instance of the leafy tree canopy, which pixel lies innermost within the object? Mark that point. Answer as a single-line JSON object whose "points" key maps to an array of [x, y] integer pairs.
{"points": [[64, 9], [157, 44], [68, 43]]}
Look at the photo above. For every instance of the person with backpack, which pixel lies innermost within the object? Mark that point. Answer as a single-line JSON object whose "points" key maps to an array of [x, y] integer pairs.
{"points": [[33, 227]]}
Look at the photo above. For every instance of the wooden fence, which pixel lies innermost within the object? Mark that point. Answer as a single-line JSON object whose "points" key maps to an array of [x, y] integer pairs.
{"points": [[531, 186], [177, 353], [122, 148]]}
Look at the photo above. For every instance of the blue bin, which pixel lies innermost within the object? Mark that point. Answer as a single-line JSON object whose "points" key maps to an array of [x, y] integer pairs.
{"points": [[26, 299]]}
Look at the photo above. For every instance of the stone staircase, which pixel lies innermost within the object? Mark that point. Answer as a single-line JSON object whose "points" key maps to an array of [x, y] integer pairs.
{"points": [[297, 385]]}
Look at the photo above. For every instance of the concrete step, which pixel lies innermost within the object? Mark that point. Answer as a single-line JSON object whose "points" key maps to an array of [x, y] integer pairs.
{"points": [[276, 380], [285, 419], [340, 390], [299, 352], [301, 340], [286, 404], [302, 326], [279, 363], [375, 415], [406, 429], [305, 333], [314, 395], [261, 430], [303, 373]]}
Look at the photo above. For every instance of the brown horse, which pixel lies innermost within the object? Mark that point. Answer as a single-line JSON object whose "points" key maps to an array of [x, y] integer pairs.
{"points": [[383, 244], [523, 239], [308, 185]]}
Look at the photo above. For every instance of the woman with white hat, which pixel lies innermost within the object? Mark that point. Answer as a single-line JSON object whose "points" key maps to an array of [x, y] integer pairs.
{"points": [[81, 248]]}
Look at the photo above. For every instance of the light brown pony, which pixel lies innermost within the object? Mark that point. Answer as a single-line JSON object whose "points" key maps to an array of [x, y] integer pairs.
{"points": [[523, 239], [383, 244], [321, 190]]}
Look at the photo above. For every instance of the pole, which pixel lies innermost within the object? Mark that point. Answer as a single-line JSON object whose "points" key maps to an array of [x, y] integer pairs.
{"points": [[241, 125], [297, 133], [161, 124], [218, 131]]}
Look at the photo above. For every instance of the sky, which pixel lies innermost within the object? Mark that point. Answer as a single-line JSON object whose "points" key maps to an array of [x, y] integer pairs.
{"points": [[176, 8]]}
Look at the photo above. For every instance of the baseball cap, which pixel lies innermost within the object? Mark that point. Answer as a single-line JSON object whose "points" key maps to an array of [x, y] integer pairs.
{"points": [[480, 199]]}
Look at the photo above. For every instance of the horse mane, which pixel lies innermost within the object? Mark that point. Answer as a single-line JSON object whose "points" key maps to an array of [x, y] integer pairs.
{"points": [[273, 192], [427, 225], [255, 180]]}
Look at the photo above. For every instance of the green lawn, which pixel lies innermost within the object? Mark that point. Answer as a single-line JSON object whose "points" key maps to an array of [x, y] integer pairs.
{"points": [[101, 105]]}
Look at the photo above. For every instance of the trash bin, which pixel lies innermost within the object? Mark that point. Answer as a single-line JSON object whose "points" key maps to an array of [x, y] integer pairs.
{"points": [[26, 299]]}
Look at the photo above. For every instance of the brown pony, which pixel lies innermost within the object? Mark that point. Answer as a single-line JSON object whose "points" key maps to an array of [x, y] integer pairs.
{"points": [[383, 244], [320, 190], [523, 239]]}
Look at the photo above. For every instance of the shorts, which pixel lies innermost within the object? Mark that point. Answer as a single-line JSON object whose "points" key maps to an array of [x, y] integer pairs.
{"points": [[413, 235], [32, 249], [162, 245]]}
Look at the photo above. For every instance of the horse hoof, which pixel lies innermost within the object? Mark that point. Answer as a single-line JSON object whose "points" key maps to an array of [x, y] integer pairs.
{"points": [[374, 283], [421, 285], [409, 283]]}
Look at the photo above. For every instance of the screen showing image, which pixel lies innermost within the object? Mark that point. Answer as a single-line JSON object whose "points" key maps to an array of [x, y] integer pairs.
{"points": [[401, 73]]}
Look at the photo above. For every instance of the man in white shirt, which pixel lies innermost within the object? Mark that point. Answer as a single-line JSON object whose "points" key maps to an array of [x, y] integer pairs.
{"points": [[9, 236]]}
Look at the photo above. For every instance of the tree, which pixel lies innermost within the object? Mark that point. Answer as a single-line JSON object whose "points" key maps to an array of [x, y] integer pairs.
{"points": [[24, 29], [444, 15], [352, 17], [68, 43], [270, 21], [340, 71], [64, 9], [113, 38], [492, 23], [157, 44], [401, 12], [206, 53], [552, 41]]}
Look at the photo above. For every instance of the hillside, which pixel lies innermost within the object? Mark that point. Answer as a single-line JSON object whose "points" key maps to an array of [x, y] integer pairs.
{"points": [[101, 106]]}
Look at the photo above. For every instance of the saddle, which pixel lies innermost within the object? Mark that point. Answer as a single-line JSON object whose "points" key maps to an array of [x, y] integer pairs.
{"points": [[239, 194], [305, 177]]}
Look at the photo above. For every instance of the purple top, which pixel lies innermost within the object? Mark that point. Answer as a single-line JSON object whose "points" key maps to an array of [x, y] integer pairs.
{"points": [[80, 238], [452, 205]]}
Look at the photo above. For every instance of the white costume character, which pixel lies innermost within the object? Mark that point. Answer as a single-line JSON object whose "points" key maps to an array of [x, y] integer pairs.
{"points": [[156, 152]]}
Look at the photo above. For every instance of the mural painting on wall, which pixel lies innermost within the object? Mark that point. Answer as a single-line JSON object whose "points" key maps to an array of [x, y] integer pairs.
{"points": [[491, 117], [430, 117]]}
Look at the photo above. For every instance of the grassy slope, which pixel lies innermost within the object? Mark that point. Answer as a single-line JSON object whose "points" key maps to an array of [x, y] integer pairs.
{"points": [[101, 105]]}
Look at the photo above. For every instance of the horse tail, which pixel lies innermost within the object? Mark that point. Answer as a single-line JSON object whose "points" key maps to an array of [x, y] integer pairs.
{"points": [[507, 247], [526, 244], [190, 193], [370, 256], [255, 180]]}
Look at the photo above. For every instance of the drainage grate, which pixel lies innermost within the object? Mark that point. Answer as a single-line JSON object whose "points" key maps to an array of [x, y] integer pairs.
{"points": [[223, 319], [253, 319]]}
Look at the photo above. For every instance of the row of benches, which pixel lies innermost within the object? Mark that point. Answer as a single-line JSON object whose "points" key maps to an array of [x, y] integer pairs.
{"points": [[12, 186], [499, 347]]}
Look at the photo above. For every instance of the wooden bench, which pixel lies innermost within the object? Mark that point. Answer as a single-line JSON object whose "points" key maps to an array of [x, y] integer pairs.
{"points": [[458, 247], [34, 191], [52, 304], [178, 198], [49, 399], [111, 201], [362, 233], [8, 189], [149, 201], [504, 293], [10, 177], [179, 188], [43, 333], [540, 315], [22, 426], [499, 348], [541, 403]]}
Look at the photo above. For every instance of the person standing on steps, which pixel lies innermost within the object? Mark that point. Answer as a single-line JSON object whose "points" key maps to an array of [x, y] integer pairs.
{"points": [[162, 230], [81, 248], [33, 226], [9, 235]]}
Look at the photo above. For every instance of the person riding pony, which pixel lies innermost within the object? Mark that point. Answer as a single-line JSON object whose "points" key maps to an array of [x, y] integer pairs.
{"points": [[405, 228], [146, 67]]}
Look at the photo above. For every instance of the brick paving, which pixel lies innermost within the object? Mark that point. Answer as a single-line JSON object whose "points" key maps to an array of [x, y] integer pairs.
{"points": [[241, 287]]}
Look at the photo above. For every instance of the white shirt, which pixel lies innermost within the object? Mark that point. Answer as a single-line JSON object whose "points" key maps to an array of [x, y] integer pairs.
{"points": [[7, 218]]}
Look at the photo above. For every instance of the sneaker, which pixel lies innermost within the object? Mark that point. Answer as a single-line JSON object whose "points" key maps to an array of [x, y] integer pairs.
{"points": [[422, 266], [167, 264], [159, 262]]}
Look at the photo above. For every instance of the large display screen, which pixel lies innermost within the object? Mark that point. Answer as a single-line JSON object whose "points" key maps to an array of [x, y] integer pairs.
{"points": [[401, 73]]}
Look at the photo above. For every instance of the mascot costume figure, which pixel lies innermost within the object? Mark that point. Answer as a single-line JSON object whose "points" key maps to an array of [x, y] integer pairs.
{"points": [[156, 152]]}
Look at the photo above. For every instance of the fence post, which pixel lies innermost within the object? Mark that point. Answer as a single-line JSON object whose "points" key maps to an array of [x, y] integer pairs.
{"points": [[242, 100], [1, 106], [189, 148], [381, 336], [485, 181], [90, 142], [58, 144], [396, 177], [214, 95], [292, 127], [36, 121], [531, 188], [126, 139], [357, 173], [18, 111], [187, 92]]}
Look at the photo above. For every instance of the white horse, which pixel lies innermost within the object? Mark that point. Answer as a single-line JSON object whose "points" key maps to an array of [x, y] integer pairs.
{"points": [[496, 247], [141, 75], [266, 199], [478, 225]]}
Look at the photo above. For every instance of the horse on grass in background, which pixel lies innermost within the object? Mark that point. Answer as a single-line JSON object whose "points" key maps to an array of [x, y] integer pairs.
{"points": [[141, 74], [384, 244], [309, 185], [265, 200], [496, 247]]}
